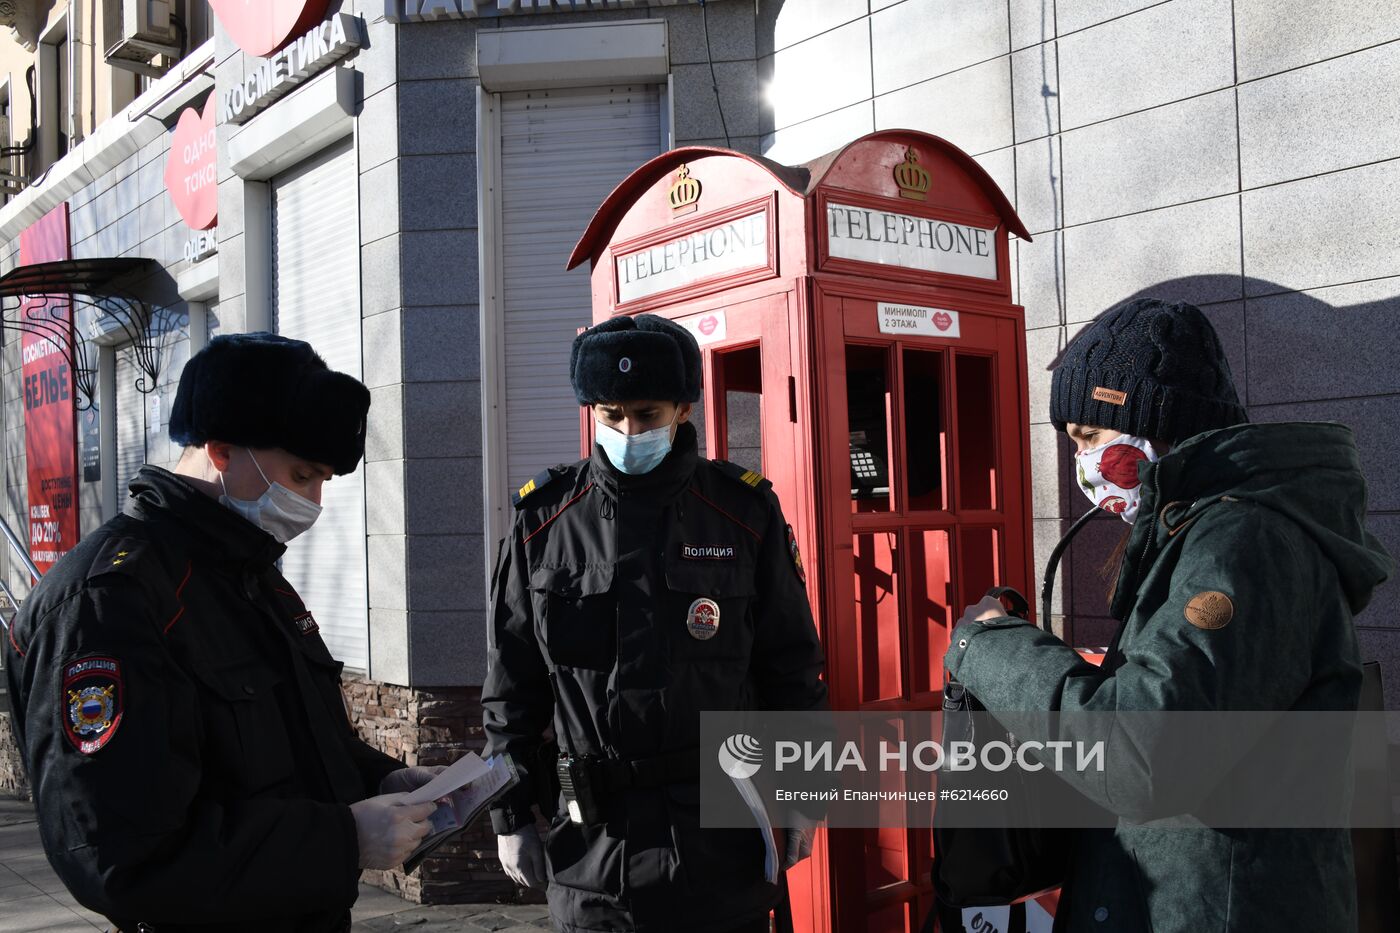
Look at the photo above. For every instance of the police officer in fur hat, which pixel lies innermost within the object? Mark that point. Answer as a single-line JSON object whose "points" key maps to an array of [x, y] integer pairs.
{"points": [[637, 588], [180, 717]]}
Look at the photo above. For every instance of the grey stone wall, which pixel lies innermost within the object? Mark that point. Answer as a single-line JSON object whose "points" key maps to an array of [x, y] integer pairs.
{"points": [[1241, 155]]}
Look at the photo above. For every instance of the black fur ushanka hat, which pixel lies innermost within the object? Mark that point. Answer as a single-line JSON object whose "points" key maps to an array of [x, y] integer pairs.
{"points": [[263, 390], [627, 359]]}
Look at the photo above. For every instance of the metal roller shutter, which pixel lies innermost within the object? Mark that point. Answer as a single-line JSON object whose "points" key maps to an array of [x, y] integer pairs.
{"points": [[316, 298], [562, 152], [131, 421]]}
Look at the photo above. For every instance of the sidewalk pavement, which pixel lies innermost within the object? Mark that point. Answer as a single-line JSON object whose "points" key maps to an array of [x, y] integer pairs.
{"points": [[32, 898]]}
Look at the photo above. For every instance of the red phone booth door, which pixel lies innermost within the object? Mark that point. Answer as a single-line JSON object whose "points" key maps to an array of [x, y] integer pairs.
{"points": [[745, 414], [918, 431]]}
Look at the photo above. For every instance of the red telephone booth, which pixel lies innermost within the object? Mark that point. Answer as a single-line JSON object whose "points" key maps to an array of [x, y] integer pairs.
{"points": [[861, 350]]}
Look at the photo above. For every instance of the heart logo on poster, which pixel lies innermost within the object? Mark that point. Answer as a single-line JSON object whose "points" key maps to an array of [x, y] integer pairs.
{"points": [[943, 320], [191, 168], [261, 27], [708, 325]]}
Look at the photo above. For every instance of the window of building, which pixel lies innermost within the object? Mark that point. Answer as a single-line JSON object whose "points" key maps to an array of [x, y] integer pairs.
{"points": [[196, 23], [54, 86]]}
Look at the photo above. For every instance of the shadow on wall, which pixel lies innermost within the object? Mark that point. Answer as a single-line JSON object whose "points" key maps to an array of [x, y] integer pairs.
{"points": [[1293, 357]]}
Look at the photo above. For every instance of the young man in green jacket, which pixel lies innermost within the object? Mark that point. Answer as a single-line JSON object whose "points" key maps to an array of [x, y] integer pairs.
{"points": [[1245, 564]]}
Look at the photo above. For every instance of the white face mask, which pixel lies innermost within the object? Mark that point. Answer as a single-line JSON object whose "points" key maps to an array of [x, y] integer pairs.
{"points": [[278, 511], [635, 454], [1108, 474]]}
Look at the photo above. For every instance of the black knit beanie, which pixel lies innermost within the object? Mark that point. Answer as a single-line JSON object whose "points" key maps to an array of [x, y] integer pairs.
{"points": [[1146, 368]]}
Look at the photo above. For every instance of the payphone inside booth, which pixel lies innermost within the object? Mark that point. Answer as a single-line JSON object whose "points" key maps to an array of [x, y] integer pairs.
{"points": [[861, 351]]}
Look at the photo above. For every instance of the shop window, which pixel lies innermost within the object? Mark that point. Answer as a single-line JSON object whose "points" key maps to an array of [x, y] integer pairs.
{"points": [[739, 376], [981, 563], [877, 615], [932, 612], [868, 405], [977, 433], [925, 436]]}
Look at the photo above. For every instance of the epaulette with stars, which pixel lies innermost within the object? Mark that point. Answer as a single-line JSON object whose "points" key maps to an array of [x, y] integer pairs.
{"points": [[541, 480], [117, 555], [751, 478]]}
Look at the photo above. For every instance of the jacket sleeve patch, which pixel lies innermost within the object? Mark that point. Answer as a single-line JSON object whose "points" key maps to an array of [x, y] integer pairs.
{"points": [[1209, 610], [92, 702], [796, 556]]}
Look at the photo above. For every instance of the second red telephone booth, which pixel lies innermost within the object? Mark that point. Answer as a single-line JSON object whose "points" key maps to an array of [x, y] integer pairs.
{"points": [[862, 351]]}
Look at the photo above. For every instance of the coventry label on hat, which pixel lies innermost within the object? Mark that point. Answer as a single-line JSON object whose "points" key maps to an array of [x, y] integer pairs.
{"points": [[911, 319]]}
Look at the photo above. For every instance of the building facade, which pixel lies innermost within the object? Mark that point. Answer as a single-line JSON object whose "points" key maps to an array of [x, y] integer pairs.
{"points": [[402, 183]]}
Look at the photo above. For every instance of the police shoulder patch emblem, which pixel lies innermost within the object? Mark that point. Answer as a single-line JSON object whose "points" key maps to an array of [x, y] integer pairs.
{"points": [[92, 698], [1209, 610], [796, 556]]}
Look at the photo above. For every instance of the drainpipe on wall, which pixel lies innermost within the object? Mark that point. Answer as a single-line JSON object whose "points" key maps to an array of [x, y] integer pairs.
{"points": [[72, 74]]}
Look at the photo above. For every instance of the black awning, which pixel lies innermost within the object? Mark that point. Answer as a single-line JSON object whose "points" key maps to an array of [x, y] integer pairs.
{"points": [[92, 277], [95, 285]]}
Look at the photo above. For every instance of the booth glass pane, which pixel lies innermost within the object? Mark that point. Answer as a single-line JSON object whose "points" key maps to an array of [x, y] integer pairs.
{"points": [[891, 919], [977, 432], [877, 615], [925, 438], [868, 405], [739, 374], [981, 563], [933, 612], [886, 861], [697, 418]]}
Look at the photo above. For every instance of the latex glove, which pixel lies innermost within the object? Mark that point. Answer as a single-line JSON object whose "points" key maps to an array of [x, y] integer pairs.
{"points": [[795, 842], [406, 780], [389, 829], [522, 856], [989, 608]]}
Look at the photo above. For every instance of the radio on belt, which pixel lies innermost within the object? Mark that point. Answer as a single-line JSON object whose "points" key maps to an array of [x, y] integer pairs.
{"points": [[580, 780]]}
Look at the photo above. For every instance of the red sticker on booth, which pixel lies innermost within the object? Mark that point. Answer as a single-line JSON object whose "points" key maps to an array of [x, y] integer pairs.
{"points": [[191, 168], [943, 320], [706, 328]]}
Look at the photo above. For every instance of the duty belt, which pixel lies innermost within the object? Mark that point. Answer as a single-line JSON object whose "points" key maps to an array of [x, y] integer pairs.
{"points": [[586, 781], [681, 767]]}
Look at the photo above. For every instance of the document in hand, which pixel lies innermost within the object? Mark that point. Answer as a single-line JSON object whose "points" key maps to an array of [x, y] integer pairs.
{"points": [[464, 791]]}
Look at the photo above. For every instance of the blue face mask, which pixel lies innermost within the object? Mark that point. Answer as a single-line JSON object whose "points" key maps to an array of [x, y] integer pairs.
{"points": [[635, 454]]}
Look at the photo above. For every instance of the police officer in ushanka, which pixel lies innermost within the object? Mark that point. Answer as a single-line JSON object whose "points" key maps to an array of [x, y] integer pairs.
{"points": [[637, 588], [180, 716]]}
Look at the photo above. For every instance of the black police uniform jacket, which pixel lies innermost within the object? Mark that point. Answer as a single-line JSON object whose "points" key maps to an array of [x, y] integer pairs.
{"points": [[183, 726], [595, 584]]}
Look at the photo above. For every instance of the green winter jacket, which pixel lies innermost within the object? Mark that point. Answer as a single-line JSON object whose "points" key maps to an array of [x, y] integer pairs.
{"points": [[1271, 516]]}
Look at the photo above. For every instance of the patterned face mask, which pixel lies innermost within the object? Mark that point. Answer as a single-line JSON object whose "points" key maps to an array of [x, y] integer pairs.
{"points": [[1108, 474]]}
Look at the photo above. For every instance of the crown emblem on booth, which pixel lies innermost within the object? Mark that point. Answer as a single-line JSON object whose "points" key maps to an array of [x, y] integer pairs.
{"points": [[913, 181], [685, 193]]}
